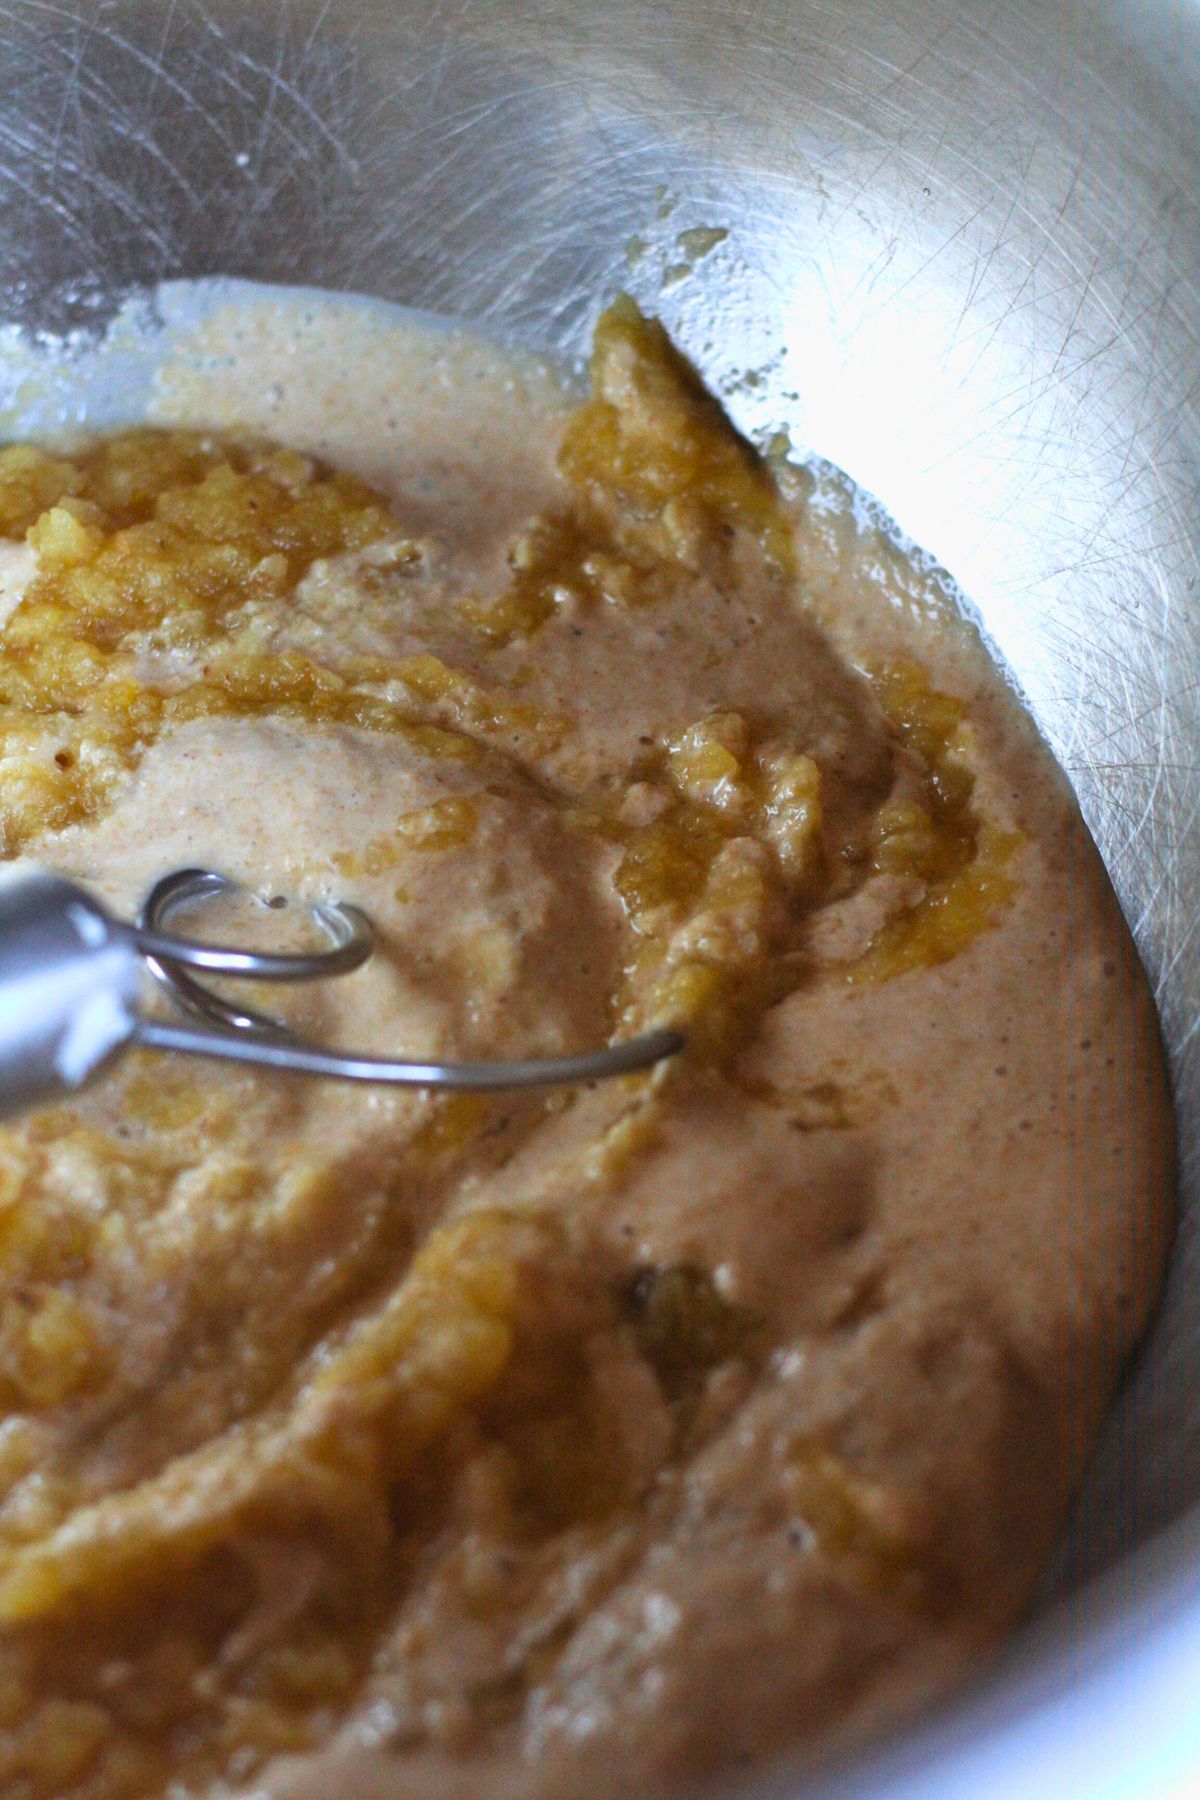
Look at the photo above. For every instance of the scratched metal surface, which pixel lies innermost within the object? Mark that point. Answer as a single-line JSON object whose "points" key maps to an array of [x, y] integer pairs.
{"points": [[963, 261]]}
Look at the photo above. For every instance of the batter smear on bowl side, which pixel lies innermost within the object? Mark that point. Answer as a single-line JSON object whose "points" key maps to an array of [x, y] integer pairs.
{"points": [[575, 1443]]}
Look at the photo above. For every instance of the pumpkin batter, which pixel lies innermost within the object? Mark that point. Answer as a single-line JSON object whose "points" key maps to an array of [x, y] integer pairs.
{"points": [[571, 1444]]}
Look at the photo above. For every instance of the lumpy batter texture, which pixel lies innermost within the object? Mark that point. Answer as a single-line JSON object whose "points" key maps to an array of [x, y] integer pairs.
{"points": [[576, 1443]]}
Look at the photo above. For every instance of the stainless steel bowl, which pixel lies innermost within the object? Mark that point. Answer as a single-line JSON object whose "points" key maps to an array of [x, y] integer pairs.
{"points": [[963, 261]]}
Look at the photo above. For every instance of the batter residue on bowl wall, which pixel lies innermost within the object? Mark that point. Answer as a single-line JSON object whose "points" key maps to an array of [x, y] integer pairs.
{"points": [[376, 1443]]}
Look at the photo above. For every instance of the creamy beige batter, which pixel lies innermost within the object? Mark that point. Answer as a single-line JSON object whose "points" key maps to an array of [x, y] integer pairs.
{"points": [[572, 1444]]}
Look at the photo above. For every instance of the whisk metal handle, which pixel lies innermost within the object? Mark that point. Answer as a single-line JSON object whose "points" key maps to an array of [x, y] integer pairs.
{"points": [[71, 976]]}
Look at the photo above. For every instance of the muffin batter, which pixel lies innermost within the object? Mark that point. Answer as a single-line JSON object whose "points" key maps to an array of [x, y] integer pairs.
{"points": [[362, 1441]]}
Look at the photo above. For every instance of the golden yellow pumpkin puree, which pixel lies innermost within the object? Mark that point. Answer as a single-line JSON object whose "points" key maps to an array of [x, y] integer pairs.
{"points": [[370, 1442]]}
